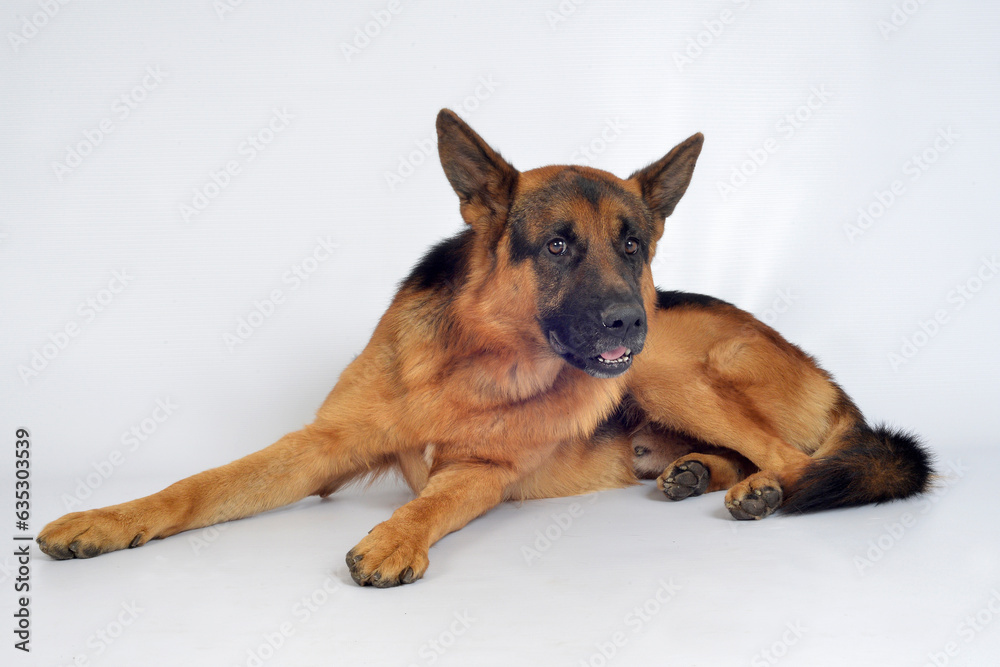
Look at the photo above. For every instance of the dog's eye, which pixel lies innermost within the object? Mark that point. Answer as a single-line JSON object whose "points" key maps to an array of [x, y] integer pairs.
{"points": [[557, 246], [631, 246]]}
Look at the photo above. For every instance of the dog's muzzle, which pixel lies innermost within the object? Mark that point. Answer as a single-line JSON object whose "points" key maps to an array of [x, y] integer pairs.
{"points": [[602, 346]]}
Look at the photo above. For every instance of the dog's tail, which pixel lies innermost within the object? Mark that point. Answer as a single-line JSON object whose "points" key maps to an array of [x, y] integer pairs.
{"points": [[874, 465]]}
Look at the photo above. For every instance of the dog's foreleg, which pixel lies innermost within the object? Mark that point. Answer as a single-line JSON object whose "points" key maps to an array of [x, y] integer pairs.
{"points": [[300, 464], [395, 551]]}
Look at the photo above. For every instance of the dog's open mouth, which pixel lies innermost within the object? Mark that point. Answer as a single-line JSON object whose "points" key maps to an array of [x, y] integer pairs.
{"points": [[618, 356], [607, 364]]}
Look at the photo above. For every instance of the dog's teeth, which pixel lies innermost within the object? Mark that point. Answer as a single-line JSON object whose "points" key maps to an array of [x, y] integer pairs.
{"points": [[622, 359]]}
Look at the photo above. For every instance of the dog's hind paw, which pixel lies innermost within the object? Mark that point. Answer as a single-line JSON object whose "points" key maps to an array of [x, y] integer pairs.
{"points": [[684, 478], [755, 497]]}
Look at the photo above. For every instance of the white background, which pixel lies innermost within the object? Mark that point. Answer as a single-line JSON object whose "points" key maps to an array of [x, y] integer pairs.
{"points": [[538, 81]]}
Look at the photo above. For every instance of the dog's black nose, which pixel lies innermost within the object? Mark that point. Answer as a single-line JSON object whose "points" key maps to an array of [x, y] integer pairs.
{"points": [[622, 321]]}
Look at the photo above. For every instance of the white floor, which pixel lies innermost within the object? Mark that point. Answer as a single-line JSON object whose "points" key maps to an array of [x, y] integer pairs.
{"points": [[623, 574]]}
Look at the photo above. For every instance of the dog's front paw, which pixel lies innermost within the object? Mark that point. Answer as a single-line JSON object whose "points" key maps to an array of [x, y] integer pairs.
{"points": [[387, 557], [755, 497], [91, 533]]}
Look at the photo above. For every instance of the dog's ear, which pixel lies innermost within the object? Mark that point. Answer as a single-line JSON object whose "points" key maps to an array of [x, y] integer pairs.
{"points": [[663, 183], [482, 179]]}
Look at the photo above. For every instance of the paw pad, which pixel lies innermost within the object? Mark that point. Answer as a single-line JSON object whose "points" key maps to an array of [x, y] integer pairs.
{"points": [[689, 478], [755, 503]]}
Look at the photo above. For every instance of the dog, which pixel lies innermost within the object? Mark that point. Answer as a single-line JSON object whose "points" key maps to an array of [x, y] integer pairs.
{"points": [[530, 356]]}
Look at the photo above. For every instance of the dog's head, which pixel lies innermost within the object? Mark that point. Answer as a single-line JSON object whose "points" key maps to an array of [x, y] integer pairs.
{"points": [[587, 235]]}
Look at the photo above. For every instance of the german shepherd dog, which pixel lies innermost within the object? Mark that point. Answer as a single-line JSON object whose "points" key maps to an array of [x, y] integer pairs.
{"points": [[531, 356]]}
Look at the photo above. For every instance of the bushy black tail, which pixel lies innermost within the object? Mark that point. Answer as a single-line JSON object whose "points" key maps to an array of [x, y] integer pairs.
{"points": [[875, 465]]}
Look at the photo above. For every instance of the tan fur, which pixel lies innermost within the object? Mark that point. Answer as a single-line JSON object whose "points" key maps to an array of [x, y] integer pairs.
{"points": [[488, 412], [723, 377]]}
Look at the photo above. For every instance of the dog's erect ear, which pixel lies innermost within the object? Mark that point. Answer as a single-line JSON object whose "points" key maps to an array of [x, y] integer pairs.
{"points": [[482, 179], [663, 183]]}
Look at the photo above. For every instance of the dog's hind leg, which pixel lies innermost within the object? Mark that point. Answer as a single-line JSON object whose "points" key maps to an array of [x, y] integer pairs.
{"points": [[300, 464], [698, 473], [746, 390]]}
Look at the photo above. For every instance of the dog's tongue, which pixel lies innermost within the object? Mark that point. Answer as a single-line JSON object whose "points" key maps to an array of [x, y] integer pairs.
{"points": [[611, 355]]}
